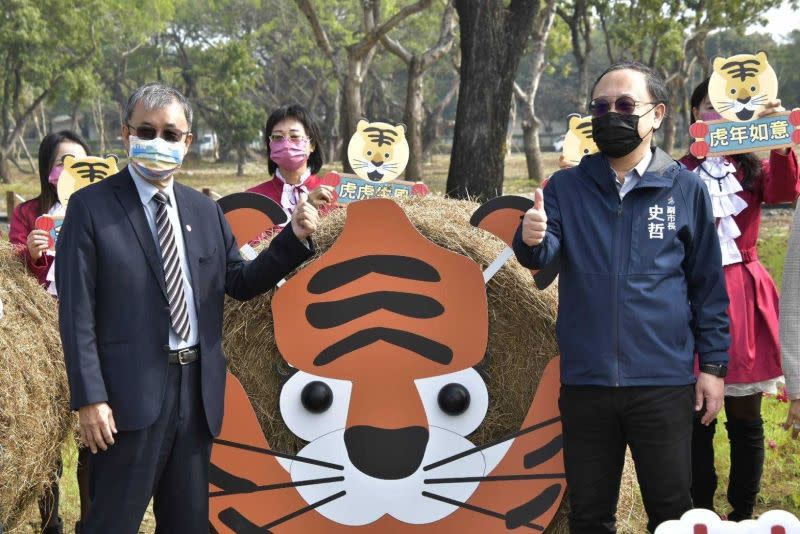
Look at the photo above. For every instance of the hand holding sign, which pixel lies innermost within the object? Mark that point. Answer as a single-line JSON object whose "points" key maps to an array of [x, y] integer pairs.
{"points": [[304, 218], [324, 194], [534, 222], [38, 243]]}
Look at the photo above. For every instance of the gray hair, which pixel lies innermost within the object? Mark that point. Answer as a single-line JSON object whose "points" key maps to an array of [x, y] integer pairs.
{"points": [[156, 95]]}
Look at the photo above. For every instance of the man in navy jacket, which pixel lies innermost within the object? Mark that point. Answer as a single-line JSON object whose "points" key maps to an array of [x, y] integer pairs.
{"points": [[143, 268], [641, 291]]}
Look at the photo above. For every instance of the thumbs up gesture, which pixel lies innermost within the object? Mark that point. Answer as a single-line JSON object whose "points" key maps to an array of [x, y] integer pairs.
{"points": [[304, 218], [534, 222]]}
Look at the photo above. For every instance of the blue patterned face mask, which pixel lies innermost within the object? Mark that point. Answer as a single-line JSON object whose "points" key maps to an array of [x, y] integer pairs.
{"points": [[155, 159]]}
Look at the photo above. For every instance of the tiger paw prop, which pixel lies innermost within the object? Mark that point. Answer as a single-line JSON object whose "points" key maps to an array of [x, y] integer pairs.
{"points": [[386, 335], [739, 88], [251, 215]]}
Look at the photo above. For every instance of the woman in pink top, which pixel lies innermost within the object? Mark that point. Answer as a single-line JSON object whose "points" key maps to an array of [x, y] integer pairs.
{"points": [[738, 186], [30, 243], [293, 148]]}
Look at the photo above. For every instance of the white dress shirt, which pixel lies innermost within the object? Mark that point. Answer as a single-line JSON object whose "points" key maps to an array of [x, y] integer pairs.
{"points": [[146, 191], [633, 176]]}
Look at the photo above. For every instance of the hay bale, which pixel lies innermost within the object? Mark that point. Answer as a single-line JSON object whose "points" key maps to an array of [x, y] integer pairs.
{"points": [[521, 328], [34, 407]]}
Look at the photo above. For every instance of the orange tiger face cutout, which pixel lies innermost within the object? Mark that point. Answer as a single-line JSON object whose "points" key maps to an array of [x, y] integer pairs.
{"points": [[385, 332]]}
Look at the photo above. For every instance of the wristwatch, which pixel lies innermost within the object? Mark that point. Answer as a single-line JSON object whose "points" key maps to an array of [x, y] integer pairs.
{"points": [[715, 369]]}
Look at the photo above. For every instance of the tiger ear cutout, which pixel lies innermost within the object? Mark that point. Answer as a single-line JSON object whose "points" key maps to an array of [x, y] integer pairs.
{"points": [[250, 215], [501, 217], [573, 119], [111, 158], [718, 62], [362, 123]]}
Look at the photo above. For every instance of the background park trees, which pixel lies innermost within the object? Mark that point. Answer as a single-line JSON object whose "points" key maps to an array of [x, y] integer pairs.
{"points": [[471, 80]]}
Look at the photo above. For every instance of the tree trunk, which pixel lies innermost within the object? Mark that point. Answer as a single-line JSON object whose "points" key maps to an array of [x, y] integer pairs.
{"points": [[433, 123], [533, 151], [414, 118], [668, 126], [350, 111], [493, 39], [240, 161], [512, 124], [5, 169]]}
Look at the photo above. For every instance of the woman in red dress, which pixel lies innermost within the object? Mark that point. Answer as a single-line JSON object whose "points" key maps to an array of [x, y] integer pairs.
{"points": [[293, 148], [31, 245], [738, 186]]}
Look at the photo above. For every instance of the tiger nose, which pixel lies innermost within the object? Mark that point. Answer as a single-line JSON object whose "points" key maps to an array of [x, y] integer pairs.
{"points": [[377, 163], [386, 453], [743, 100]]}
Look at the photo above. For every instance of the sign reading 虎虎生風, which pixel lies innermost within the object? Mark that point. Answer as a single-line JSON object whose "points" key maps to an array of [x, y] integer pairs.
{"points": [[721, 137], [349, 188]]}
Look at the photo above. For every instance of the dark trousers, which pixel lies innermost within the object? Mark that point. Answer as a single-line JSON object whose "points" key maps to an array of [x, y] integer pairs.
{"points": [[598, 424], [746, 435], [167, 460]]}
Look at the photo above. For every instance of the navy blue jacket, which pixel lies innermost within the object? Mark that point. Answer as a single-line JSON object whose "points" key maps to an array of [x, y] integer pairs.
{"points": [[641, 287], [113, 307]]}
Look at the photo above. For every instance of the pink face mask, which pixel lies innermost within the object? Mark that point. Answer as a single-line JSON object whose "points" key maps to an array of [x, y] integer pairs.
{"points": [[288, 155], [710, 116], [55, 172]]}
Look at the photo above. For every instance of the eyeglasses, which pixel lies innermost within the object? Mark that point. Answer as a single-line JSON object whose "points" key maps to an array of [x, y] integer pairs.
{"points": [[171, 135], [624, 105], [295, 139]]}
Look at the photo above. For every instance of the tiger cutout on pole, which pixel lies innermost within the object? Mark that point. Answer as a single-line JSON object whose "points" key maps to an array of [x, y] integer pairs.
{"points": [[378, 153], [739, 88]]}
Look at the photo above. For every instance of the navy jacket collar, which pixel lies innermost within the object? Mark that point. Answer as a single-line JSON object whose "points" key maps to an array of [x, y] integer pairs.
{"points": [[660, 173]]}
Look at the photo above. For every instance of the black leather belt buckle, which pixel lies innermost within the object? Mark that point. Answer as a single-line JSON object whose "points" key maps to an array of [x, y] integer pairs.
{"points": [[184, 356]]}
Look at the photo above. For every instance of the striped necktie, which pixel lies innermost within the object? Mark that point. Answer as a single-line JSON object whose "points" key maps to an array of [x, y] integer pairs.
{"points": [[173, 276]]}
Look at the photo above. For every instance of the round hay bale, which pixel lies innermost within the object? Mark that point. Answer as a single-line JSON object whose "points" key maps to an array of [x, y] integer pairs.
{"points": [[521, 329], [34, 407]]}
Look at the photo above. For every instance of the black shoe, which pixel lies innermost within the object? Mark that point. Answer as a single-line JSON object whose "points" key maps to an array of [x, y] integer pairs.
{"points": [[58, 528]]}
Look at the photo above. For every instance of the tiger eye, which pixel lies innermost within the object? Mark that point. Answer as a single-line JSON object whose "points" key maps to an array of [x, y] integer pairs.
{"points": [[453, 399], [316, 396]]}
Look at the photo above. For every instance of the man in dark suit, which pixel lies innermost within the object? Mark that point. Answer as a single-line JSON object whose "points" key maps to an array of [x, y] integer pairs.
{"points": [[143, 267]]}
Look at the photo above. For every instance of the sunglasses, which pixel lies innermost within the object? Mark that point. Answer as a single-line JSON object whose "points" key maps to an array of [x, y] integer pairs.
{"points": [[147, 133], [624, 105]]}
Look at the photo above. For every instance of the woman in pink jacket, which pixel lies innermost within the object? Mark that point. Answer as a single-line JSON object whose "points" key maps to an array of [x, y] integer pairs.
{"points": [[32, 245], [738, 186]]}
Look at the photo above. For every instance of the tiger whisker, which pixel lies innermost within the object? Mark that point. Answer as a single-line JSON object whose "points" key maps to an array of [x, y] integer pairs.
{"points": [[497, 478], [277, 454], [478, 509], [479, 448], [231, 516], [282, 485]]}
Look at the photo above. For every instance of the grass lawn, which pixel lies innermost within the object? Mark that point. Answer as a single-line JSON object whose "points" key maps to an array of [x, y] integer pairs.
{"points": [[780, 484]]}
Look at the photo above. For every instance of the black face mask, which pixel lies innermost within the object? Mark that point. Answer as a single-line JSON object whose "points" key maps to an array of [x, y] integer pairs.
{"points": [[616, 135]]}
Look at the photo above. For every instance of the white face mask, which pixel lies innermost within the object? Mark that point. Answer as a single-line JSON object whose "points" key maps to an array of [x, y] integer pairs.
{"points": [[155, 159]]}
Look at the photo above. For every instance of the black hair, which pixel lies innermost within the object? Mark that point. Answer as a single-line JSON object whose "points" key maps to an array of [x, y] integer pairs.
{"points": [[655, 83], [296, 111], [47, 153], [749, 163]]}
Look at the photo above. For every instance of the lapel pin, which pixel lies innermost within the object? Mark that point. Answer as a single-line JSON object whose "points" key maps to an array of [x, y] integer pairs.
{"points": [[188, 227]]}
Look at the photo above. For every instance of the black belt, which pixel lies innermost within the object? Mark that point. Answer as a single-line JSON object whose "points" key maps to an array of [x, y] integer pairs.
{"points": [[184, 356]]}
